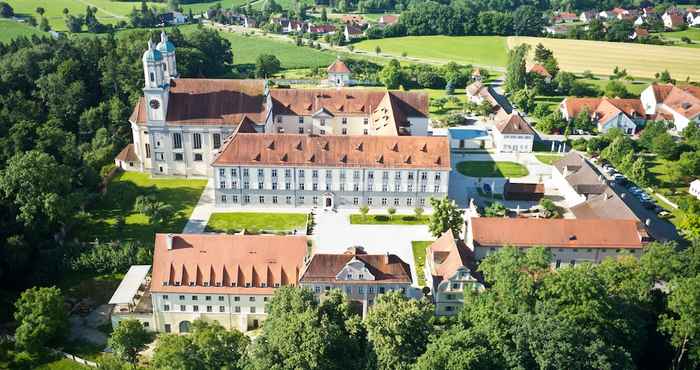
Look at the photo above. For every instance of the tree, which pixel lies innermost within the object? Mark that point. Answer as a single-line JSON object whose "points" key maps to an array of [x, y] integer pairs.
{"points": [[516, 74], [128, 339], [524, 99], [38, 186], [267, 65], [651, 130], [391, 75], [445, 217], [550, 209], [418, 211], [665, 146], [616, 89], [528, 21], [391, 211], [6, 10], [175, 352], [41, 317], [583, 121], [324, 15], [665, 77], [377, 50], [398, 329], [496, 209], [74, 24], [40, 10], [460, 349], [157, 212], [682, 323], [44, 25]]}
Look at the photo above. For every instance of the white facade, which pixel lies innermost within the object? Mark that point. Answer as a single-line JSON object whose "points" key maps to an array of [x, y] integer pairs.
{"points": [[328, 187], [694, 188], [323, 123], [508, 143]]}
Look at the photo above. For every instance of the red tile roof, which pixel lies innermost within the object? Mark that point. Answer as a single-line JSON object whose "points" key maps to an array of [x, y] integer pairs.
{"points": [[388, 19], [540, 70], [127, 154], [419, 152], [338, 66], [230, 261], [514, 124], [446, 255], [562, 233], [386, 268], [210, 102]]}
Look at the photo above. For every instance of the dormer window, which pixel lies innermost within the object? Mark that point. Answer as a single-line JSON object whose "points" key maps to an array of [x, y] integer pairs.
{"points": [[349, 276], [263, 285], [247, 285], [360, 276]]}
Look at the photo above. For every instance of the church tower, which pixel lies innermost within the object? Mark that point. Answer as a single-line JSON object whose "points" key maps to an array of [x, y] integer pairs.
{"points": [[157, 84], [167, 50]]}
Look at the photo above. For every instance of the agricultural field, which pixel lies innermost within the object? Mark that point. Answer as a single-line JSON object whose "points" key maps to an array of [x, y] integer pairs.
{"points": [[204, 5], [692, 33], [247, 48], [108, 11], [601, 57], [11, 29], [487, 51]]}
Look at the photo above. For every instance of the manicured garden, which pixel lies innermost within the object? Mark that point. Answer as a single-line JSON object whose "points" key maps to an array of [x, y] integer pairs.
{"points": [[359, 219], [256, 221], [113, 216], [419, 251], [548, 158], [492, 169]]}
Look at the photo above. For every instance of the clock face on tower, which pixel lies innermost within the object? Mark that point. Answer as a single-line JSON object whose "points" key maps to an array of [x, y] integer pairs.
{"points": [[154, 104]]}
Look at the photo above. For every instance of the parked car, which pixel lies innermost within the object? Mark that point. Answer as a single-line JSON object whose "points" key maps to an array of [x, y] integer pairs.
{"points": [[648, 204], [665, 215]]}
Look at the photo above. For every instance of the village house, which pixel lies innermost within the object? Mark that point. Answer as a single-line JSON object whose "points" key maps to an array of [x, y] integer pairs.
{"points": [[693, 17], [335, 171], [540, 70], [512, 134], [694, 188], [571, 241], [450, 271], [338, 73], [606, 113], [361, 276], [639, 33], [212, 277], [679, 105], [588, 16], [564, 17], [352, 32], [387, 20], [672, 20], [478, 92]]}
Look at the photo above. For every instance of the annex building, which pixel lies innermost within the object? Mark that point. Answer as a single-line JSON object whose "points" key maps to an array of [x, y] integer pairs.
{"points": [[180, 124]]}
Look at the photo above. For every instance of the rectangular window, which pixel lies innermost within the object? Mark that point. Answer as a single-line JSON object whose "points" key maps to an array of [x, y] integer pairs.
{"points": [[148, 150], [261, 185], [245, 172], [365, 132], [323, 132], [344, 120], [274, 199], [288, 200], [355, 201], [166, 307], [183, 308], [261, 199], [167, 328], [216, 138], [160, 156], [197, 141], [396, 201], [344, 131], [234, 172], [365, 121], [179, 157], [237, 309], [222, 309], [197, 157], [223, 199], [301, 120], [209, 309], [301, 130]]}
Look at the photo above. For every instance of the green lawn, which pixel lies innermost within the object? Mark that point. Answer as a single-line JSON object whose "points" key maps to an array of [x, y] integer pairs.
{"points": [[480, 50], [635, 88], [108, 11], [548, 158], [419, 251], [492, 169], [450, 107], [63, 364], [358, 219], [181, 194], [692, 33], [246, 49], [11, 29], [201, 7], [236, 221]]}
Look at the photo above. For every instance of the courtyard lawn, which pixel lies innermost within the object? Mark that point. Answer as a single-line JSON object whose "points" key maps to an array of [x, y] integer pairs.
{"points": [[548, 158], [118, 201], [479, 50], [12, 29], [640, 60], [492, 169], [359, 219], [246, 50], [237, 221], [419, 251]]}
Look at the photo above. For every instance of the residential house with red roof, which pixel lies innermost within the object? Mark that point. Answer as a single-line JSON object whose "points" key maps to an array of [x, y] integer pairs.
{"points": [[540, 70], [212, 277], [513, 134], [673, 20], [677, 104], [606, 113], [450, 271], [338, 73], [361, 276]]}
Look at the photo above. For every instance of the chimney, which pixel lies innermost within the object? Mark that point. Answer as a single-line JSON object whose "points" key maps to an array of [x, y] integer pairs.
{"points": [[386, 258], [169, 241]]}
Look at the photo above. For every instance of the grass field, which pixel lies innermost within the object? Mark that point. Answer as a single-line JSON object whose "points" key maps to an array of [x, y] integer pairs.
{"points": [[247, 48], [478, 50], [236, 221], [203, 6], [181, 194], [358, 219], [63, 364], [601, 57], [419, 251], [548, 158], [492, 169], [692, 33], [634, 87], [107, 11], [11, 29]]}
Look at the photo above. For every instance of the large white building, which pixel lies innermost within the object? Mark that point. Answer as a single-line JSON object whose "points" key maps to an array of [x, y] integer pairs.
{"points": [[298, 170], [179, 123], [213, 277]]}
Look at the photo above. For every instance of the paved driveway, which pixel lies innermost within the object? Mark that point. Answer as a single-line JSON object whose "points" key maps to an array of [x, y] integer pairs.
{"points": [[334, 234]]}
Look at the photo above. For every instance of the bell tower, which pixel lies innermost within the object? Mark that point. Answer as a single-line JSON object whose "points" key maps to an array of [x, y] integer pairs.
{"points": [[167, 50], [157, 84]]}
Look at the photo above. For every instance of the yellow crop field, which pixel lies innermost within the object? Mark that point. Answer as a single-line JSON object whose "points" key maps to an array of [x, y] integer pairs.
{"points": [[601, 57]]}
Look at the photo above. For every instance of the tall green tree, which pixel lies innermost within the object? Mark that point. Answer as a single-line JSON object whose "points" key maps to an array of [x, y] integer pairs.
{"points": [[266, 65], [398, 329], [516, 74], [458, 349], [42, 318], [128, 339], [391, 75], [682, 323], [446, 216]]}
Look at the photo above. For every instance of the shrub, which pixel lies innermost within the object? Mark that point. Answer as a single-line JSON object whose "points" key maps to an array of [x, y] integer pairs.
{"points": [[391, 211]]}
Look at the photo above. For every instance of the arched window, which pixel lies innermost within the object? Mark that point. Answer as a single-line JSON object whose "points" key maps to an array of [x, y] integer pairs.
{"points": [[184, 326], [153, 76]]}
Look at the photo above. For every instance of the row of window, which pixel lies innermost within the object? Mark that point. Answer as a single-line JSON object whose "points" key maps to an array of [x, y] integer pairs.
{"points": [[343, 131], [360, 289], [274, 172], [322, 121], [262, 199], [209, 298], [218, 284], [195, 308], [588, 250], [196, 140], [328, 186]]}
